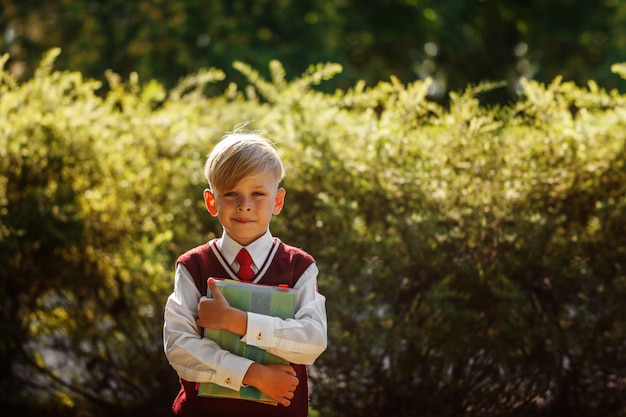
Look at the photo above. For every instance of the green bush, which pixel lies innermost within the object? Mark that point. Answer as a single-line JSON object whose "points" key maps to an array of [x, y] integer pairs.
{"points": [[472, 257]]}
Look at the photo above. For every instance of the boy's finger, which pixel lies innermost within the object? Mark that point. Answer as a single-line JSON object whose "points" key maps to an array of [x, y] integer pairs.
{"points": [[215, 292], [289, 369]]}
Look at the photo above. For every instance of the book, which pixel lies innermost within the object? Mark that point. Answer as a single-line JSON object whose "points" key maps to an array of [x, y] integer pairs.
{"points": [[274, 301]]}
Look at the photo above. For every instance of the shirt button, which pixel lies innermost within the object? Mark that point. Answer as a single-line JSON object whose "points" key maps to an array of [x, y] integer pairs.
{"points": [[259, 336], [227, 381]]}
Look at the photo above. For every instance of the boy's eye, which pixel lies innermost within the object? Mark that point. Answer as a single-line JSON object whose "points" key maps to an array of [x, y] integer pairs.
{"points": [[234, 194]]}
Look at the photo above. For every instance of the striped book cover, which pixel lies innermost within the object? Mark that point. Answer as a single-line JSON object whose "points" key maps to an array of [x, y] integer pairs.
{"points": [[262, 299]]}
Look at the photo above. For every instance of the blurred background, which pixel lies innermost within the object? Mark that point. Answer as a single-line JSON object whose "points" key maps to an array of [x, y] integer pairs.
{"points": [[456, 42]]}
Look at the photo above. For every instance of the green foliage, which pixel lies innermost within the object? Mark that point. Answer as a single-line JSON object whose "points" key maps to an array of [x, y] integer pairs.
{"points": [[90, 219], [455, 42], [472, 257]]}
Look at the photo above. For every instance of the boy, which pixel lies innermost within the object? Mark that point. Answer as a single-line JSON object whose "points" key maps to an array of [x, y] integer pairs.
{"points": [[244, 174]]}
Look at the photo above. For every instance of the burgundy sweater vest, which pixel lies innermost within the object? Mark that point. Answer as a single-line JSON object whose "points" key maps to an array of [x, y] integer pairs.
{"points": [[285, 268]]}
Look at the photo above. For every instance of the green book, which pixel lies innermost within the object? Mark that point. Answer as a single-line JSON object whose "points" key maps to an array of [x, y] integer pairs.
{"points": [[262, 299]]}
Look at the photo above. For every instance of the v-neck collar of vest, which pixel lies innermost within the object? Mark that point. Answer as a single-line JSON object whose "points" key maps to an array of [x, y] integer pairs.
{"points": [[213, 244]]}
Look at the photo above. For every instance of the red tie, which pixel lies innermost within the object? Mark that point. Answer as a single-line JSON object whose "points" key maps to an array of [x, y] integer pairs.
{"points": [[245, 261]]}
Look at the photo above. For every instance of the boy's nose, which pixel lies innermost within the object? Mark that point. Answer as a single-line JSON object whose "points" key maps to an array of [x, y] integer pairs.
{"points": [[244, 205]]}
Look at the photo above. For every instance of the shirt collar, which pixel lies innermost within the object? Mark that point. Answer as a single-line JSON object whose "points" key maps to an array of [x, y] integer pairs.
{"points": [[258, 249]]}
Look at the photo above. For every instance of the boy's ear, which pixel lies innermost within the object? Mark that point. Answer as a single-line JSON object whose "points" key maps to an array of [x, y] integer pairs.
{"points": [[209, 200], [279, 200]]}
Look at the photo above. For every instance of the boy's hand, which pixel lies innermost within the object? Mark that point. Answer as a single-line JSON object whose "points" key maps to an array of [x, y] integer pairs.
{"points": [[276, 381], [216, 313]]}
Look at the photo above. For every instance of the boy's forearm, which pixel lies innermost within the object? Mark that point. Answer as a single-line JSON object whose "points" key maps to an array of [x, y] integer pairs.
{"points": [[252, 375], [276, 381], [236, 321], [300, 341]]}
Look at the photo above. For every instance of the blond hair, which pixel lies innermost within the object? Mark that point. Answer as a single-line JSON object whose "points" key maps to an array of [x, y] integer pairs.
{"points": [[239, 155]]}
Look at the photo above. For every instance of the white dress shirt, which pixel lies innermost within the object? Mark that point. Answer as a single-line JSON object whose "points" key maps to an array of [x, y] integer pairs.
{"points": [[299, 340]]}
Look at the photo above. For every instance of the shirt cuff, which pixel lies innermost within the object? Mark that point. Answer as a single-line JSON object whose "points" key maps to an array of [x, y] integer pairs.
{"points": [[231, 371], [260, 331]]}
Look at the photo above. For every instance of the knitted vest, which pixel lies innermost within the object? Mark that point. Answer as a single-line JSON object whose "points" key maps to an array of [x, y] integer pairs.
{"points": [[284, 266]]}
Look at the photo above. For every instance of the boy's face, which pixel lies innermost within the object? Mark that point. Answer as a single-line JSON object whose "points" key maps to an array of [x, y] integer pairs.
{"points": [[245, 211]]}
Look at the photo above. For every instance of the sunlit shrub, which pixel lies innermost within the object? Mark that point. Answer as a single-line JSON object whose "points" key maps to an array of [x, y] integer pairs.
{"points": [[472, 257]]}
